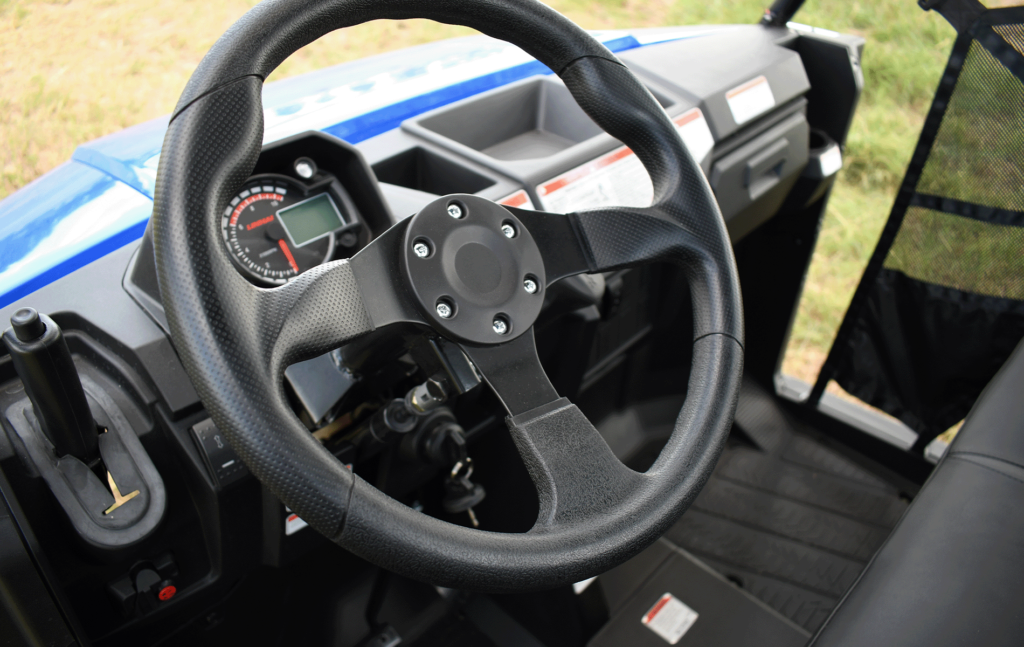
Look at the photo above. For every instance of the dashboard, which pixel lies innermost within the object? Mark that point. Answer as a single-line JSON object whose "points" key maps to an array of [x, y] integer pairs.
{"points": [[753, 113]]}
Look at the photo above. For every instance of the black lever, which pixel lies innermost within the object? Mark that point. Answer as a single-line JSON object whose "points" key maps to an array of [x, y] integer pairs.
{"points": [[43, 362]]}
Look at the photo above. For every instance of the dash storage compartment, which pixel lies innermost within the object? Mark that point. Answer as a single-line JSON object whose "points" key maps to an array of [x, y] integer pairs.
{"points": [[532, 119], [529, 120]]}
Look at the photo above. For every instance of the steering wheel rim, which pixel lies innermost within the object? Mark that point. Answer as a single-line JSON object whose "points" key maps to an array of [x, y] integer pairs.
{"points": [[235, 339]]}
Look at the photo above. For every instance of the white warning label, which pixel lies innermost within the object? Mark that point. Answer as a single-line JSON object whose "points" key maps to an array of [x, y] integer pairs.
{"points": [[669, 618], [618, 178], [520, 199], [750, 99], [693, 128]]}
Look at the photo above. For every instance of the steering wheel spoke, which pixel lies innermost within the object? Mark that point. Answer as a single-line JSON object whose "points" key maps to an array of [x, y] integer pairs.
{"points": [[613, 238], [575, 472], [560, 245], [377, 268], [316, 312], [622, 237], [572, 468], [514, 372]]}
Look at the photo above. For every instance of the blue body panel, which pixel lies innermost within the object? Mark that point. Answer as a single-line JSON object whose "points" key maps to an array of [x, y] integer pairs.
{"points": [[64, 220], [102, 199]]}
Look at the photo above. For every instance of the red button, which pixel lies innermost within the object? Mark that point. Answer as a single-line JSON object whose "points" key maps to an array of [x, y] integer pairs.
{"points": [[167, 593]]}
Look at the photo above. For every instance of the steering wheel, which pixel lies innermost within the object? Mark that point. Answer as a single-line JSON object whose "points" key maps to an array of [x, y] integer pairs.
{"points": [[235, 340]]}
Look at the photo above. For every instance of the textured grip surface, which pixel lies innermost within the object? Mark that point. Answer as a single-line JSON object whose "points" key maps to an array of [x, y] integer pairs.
{"points": [[272, 30], [235, 339], [683, 225]]}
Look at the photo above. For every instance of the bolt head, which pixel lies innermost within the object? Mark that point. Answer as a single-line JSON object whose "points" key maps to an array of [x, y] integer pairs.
{"points": [[421, 250], [304, 170], [530, 286], [508, 230], [455, 211], [444, 310], [500, 326]]}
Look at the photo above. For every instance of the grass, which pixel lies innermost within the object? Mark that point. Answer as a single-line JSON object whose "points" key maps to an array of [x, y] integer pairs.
{"points": [[71, 71], [984, 117], [966, 254]]}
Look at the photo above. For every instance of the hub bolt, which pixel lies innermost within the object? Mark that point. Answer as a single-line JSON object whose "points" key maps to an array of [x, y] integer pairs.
{"points": [[455, 211], [421, 249], [444, 310], [500, 326], [530, 286], [508, 230]]}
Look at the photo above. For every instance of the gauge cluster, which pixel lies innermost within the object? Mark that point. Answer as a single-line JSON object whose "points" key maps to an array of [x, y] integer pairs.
{"points": [[276, 227], [310, 199]]}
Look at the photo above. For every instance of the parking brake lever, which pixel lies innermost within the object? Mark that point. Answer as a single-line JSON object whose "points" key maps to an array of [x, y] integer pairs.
{"points": [[43, 362]]}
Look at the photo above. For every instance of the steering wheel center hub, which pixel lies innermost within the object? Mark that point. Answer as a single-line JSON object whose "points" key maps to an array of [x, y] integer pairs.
{"points": [[478, 267], [473, 271]]}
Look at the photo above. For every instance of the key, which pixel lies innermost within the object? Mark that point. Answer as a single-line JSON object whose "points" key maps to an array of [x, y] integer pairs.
{"points": [[461, 494], [452, 449]]}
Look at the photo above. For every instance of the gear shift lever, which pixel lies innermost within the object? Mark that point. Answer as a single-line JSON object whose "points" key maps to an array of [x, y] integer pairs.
{"points": [[43, 362], [106, 483]]}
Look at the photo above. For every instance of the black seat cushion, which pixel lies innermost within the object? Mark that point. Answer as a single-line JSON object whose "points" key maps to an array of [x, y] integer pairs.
{"points": [[952, 572], [995, 426]]}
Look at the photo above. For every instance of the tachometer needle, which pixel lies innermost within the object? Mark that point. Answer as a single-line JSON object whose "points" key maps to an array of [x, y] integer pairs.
{"points": [[288, 254]]}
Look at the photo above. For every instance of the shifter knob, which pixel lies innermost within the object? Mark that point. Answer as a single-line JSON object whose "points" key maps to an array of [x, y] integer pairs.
{"points": [[27, 324], [43, 362]]}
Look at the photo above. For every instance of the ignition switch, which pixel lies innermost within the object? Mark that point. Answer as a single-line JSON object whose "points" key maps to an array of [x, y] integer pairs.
{"points": [[401, 415]]}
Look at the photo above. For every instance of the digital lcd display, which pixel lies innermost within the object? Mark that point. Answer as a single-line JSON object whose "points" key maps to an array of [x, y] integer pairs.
{"points": [[310, 219]]}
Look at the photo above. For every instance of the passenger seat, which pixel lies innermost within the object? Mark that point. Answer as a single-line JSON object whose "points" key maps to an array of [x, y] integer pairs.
{"points": [[952, 571]]}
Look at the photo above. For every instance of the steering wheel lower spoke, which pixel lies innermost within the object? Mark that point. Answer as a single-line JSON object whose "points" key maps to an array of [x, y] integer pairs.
{"points": [[575, 472], [514, 372]]}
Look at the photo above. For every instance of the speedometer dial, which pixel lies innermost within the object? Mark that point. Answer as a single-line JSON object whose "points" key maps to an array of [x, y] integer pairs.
{"points": [[275, 231]]}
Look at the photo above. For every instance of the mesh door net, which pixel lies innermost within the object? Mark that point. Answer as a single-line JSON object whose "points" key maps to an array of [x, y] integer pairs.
{"points": [[941, 304]]}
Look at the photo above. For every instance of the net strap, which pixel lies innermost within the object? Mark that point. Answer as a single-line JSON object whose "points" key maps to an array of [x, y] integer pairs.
{"points": [[983, 213]]}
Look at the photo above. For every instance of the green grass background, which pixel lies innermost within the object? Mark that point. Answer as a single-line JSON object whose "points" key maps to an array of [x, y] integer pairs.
{"points": [[73, 70]]}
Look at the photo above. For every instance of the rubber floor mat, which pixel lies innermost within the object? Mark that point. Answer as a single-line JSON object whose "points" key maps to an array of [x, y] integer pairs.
{"points": [[787, 518]]}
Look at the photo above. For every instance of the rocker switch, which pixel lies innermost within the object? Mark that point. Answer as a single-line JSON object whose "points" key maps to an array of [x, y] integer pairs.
{"points": [[221, 460]]}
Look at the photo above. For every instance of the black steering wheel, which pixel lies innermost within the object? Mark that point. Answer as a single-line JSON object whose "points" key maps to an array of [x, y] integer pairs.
{"points": [[236, 340]]}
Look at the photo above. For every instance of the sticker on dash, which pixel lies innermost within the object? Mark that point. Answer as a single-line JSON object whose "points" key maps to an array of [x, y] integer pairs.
{"points": [[750, 100], [618, 178], [519, 199]]}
